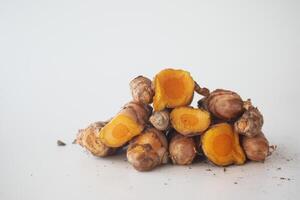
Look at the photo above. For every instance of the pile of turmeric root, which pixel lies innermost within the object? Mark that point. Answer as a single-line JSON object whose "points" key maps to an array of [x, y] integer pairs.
{"points": [[223, 128]]}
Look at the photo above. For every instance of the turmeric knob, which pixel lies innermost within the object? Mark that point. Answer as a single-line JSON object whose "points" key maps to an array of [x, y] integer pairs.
{"points": [[89, 139], [141, 90], [160, 120], [221, 145], [251, 122], [224, 104], [173, 88], [129, 122], [256, 148], [182, 149], [148, 150]]}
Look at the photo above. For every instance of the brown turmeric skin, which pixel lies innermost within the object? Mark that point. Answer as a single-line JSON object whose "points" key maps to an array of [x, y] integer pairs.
{"points": [[148, 150], [129, 122], [224, 104], [256, 148], [221, 146], [141, 90], [160, 120], [89, 139], [182, 149], [251, 122]]}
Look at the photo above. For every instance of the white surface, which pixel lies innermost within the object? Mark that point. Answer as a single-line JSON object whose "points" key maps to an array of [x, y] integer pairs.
{"points": [[64, 64]]}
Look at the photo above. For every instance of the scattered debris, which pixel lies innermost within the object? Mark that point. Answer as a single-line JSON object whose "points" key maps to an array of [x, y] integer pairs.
{"points": [[224, 169], [235, 183], [279, 168], [208, 170], [283, 178], [60, 143], [74, 141]]}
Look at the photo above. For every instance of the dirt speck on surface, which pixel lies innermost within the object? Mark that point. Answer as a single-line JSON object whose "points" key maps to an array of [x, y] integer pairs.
{"points": [[235, 183], [60, 143]]}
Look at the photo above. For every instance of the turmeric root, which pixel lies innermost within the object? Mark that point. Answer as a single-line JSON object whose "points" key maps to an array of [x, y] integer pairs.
{"points": [[148, 150], [89, 139], [221, 145], [160, 120], [182, 149], [141, 89], [173, 88], [251, 122], [129, 122], [256, 148], [190, 121], [201, 90], [224, 104]]}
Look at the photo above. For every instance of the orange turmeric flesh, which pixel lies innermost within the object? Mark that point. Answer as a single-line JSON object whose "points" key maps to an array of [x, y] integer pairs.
{"points": [[173, 88], [119, 131], [221, 145], [190, 121]]}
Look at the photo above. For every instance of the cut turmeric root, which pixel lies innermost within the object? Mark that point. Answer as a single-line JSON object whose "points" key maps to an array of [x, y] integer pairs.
{"points": [[128, 123], [221, 145], [148, 150], [173, 88], [190, 121]]}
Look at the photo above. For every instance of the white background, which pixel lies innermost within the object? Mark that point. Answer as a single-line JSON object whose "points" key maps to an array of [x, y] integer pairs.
{"points": [[64, 64]]}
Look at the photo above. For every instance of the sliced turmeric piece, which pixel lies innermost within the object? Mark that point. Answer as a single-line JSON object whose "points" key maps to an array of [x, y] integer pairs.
{"points": [[129, 122], [221, 145], [190, 121], [173, 88]]}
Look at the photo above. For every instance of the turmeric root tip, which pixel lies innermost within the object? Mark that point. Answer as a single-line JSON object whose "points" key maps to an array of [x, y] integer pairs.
{"points": [[182, 149], [256, 148], [141, 90], [89, 139]]}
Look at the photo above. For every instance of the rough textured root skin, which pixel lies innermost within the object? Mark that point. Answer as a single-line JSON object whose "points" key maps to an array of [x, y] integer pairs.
{"points": [[251, 122], [148, 150], [133, 114], [141, 90], [138, 110], [190, 121], [256, 148], [173, 88], [182, 149], [160, 120], [88, 138], [201, 90], [221, 146], [224, 104]]}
